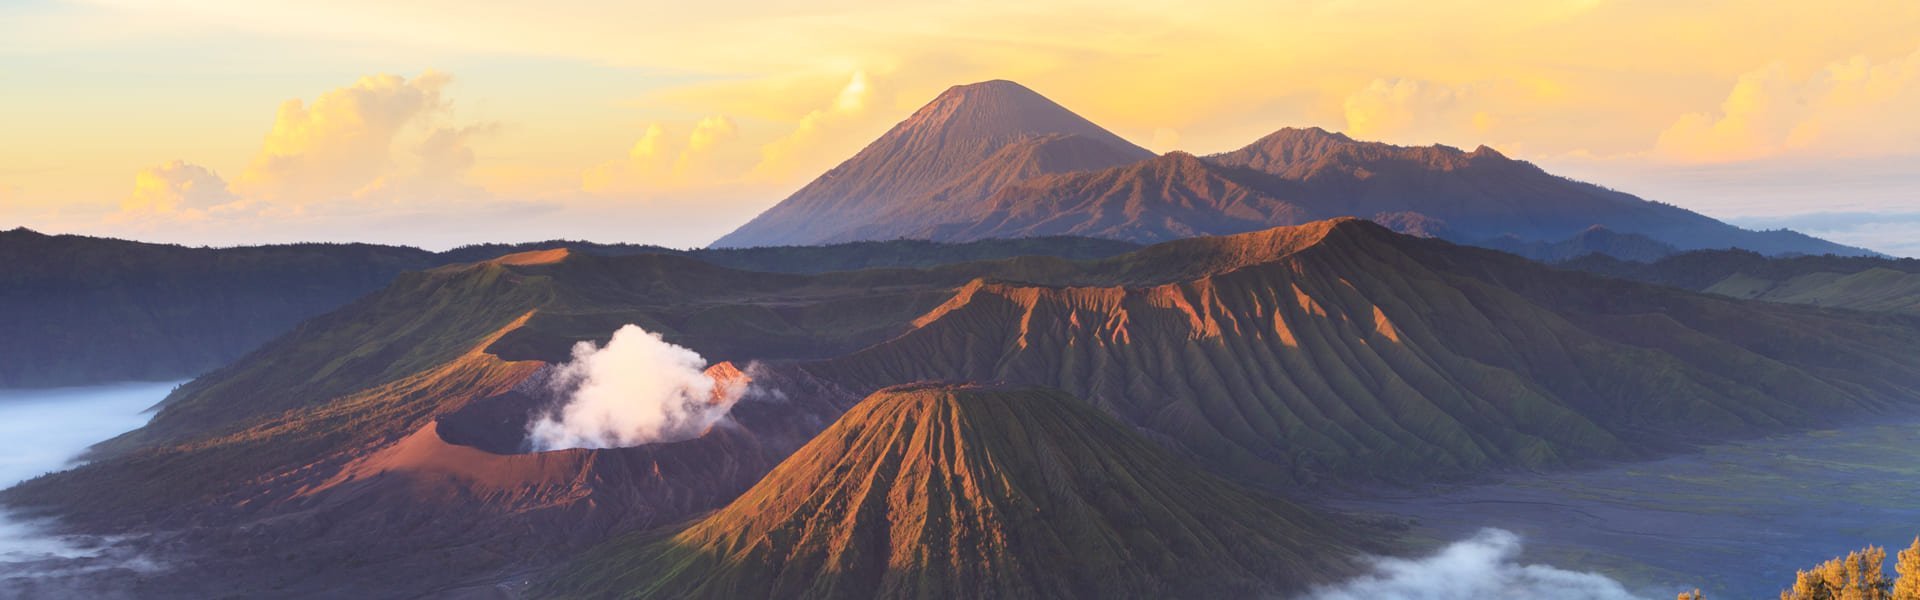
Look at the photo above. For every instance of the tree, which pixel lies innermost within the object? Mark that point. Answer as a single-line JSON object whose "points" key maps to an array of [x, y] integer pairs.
{"points": [[1907, 564], [1859, 575], [1693, 595]]}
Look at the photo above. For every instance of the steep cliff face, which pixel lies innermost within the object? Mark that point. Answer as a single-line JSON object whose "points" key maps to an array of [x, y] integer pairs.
{"points": [[1343, 350], [962, 144], [965, 491]]}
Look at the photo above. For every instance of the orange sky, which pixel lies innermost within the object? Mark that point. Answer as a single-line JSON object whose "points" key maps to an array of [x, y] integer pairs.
{"points": [[438, 122]]}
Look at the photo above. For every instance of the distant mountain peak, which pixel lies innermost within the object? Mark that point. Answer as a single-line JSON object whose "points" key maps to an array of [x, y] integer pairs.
{"points": [[1303, 153], [938, 145]]}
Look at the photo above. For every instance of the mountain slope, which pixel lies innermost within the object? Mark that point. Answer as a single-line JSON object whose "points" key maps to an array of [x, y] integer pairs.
{"points": [[996, 160], [1480, 194], [1859, 283], [939, 151], [978, 492], [1158, 199], [1594, 240], [1335, 350], [78, 310], [82, 310], [1339, 349]]}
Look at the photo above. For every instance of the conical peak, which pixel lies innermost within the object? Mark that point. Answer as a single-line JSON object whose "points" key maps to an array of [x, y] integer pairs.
{"points": [[998, 109], [987, 88]]}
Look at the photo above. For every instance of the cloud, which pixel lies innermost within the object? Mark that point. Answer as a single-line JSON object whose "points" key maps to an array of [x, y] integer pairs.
{"points": [[638, 389], [343, 140], [708, 156], [1483, 566], [378, 155], [1894, 233], [1851, 107], [716, 156], [177, 190], [800, 153], [1388, 107]]}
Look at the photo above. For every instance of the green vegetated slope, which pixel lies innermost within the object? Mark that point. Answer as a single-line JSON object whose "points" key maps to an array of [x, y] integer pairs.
{"points": [[937, 491], [1340, 349], [1860, 283]]}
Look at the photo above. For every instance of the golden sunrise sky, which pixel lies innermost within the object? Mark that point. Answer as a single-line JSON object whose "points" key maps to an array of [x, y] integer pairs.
{"points": [[440, 122]]}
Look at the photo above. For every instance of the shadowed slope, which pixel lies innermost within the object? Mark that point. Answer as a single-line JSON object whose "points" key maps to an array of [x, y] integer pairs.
{"points": [[1159, 199], [1340, 349], [1479, 194], [81, 310], [1595, 240], [938, 151], [77, 310], [1859, 283], [973, 492]]}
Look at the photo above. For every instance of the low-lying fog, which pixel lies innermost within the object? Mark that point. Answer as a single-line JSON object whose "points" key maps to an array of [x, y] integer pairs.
{"points": [[43, 431], [1735, 519]]}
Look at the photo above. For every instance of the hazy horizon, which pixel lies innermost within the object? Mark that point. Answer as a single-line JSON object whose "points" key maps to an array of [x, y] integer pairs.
{"points": [[231, 123]]}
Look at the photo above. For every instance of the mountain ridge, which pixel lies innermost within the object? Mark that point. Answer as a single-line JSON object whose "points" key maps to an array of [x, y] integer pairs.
{"points": [[941, 142], [1287, 177], [970, 491]]}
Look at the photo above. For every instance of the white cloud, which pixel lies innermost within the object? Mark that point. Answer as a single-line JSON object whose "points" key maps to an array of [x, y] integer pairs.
{"points": [[1484, 566], [177, 190], [638, 389]]}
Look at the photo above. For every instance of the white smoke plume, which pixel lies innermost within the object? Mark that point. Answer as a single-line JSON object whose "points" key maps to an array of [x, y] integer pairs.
{"points": [[1478, 568], [638, 389]]}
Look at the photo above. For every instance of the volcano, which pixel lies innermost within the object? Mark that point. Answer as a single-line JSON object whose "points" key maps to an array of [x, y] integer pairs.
{"points": [[965, 144], [967, 491], [1331, 353], [996, 160]]}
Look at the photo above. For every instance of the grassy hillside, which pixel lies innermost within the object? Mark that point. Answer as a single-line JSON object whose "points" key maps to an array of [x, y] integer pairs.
{"points": [[979, 492]]}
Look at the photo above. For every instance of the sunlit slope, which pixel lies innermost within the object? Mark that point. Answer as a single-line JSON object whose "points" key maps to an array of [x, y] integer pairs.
{"points": [[978, 492], [1340, 349], [350, 383]]}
